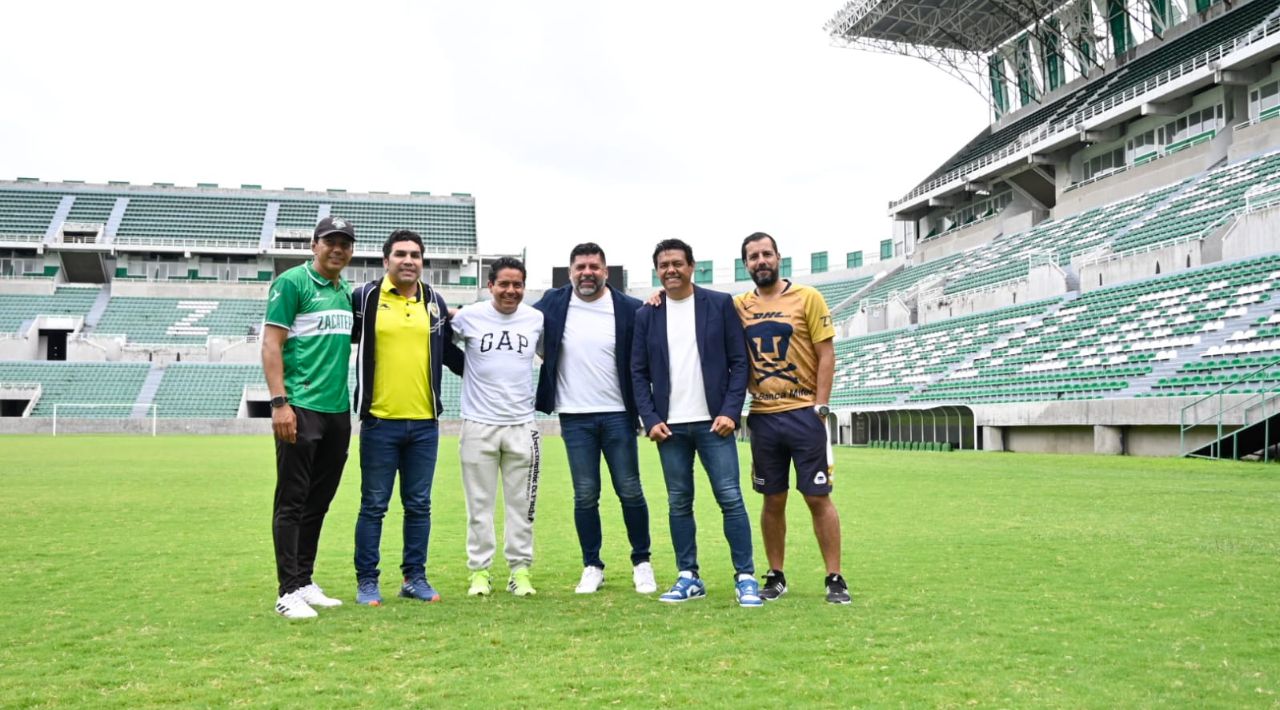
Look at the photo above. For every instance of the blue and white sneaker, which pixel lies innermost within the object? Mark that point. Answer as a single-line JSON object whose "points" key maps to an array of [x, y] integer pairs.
{"points": [[419, 588], [686, 587], [748, 591], [367, 592]]}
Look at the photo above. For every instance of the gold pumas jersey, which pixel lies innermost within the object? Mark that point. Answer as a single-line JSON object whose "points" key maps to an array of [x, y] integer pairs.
{"points": [[780, 337]]}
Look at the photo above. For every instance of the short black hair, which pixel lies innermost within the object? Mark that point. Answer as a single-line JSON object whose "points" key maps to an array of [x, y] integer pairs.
{"points": [[587, 249], [402, 235], [506, 262], [755, 237], [669, 245]]}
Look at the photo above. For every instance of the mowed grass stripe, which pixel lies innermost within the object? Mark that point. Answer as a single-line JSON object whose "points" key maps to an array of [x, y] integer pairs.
{"points": [[139, 572]]}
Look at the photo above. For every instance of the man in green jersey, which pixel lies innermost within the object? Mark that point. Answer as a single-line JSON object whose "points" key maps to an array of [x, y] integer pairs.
{"points": [[306, 345]]}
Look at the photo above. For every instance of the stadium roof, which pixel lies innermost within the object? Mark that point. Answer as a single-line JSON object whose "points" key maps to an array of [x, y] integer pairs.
{"points": [[959, 25]]}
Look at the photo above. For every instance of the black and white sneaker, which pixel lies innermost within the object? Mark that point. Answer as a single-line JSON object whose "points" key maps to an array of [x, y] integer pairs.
{"points": [[775, 585], [292, 606], [837, 589]]}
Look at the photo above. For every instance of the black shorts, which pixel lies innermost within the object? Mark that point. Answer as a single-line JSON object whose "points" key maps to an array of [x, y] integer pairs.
{"points": [[777, 440]]}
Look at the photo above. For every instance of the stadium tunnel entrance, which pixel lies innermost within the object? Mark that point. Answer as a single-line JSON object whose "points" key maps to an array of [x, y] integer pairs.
{"points": [[931, 427], [17, 399]]}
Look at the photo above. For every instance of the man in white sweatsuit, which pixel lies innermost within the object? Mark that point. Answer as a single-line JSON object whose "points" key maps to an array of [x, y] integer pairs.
{"points": [[499, 439]]}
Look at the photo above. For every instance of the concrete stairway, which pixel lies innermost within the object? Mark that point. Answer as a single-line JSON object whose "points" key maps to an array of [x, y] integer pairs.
{"points": [[147, 394], [98, 308]]}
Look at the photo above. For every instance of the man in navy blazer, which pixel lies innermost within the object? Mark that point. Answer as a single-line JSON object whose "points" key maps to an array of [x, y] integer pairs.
{"points": [[586, 377], [689, 371]]}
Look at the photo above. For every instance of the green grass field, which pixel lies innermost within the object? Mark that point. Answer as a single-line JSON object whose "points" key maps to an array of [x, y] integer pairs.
{"points": [[138, 572]]}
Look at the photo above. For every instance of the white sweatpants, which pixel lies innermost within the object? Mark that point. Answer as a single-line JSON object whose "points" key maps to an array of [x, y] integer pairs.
{"points": [[514, 452]]}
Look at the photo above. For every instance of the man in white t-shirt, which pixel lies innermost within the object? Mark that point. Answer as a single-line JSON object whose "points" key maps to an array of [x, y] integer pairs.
{"points": [[500, 440], [586, 377], [689, 372]]}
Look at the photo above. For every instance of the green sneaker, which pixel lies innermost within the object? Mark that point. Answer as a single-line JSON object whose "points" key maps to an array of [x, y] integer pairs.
{"points": [[519, 584], [480, 583]]}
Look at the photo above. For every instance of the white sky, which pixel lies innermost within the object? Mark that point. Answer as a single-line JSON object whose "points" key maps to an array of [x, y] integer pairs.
{"points": [[569, 121]]}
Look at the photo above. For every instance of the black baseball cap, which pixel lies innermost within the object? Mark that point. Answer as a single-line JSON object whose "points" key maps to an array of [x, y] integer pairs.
{"points": [[334, 225]]}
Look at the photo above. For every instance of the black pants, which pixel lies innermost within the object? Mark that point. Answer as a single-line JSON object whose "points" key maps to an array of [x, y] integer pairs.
{"points": [[307, 476]]}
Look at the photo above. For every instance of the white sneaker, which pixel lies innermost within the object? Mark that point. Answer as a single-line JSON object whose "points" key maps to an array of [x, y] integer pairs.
{"points": [[642, 575], [313, 595], [592, 579], [291, 606]]}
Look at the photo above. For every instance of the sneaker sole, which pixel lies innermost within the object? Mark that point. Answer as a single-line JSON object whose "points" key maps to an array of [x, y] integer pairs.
{"points": [[839, 601], [751, 605], [375, 602], [681, 601], [436, 598], [479, 592], [646, 590], [774, 599]]}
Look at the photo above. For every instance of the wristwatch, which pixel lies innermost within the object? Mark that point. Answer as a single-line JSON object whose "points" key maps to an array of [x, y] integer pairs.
{"points": [[278, 402], [822, 410]]}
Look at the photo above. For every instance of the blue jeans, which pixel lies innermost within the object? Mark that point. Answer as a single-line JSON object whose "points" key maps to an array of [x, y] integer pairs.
{"points": [[586, 436], [719, 456], [386, 445]]}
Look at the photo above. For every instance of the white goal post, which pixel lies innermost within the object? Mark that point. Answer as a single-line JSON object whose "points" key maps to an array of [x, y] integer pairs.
{"points": [[68, 411]]}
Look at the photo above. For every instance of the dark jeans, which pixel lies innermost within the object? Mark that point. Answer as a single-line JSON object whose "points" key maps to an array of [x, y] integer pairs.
{"points": [[586, 437], [719, 456], [388, 445], [307, 476]]}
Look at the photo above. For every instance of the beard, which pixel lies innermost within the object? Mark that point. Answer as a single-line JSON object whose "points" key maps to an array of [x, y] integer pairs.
{"points": [[587, 287], [764, 277]]}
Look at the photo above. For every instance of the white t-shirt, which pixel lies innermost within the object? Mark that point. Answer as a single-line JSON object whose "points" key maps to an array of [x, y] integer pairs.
{"points": [[587, 376], [688, 392], [497, 383]]}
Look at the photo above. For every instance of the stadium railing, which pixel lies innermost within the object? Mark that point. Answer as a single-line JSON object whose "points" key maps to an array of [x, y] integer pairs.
{"points": [[1255, 408], [1039, 135]]}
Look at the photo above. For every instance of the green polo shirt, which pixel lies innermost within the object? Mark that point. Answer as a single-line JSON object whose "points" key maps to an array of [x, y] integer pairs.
{"points": [[317, 315]]}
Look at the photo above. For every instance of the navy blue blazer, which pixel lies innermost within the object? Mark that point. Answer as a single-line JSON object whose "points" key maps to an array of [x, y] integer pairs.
{"points": [[554, 305], [722, 348]]}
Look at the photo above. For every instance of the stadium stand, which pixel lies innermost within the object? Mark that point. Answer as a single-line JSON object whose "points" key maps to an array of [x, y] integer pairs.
{"points": [[192, 219], [836, 292], [1095, 344], [1202, 205], [883, 367], [17, 309], [912, 276], [204, 390], [1007, 258], [446, 228], [79, 383], [178, 320], [26, 214], [91, 209], [209, 217]]}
